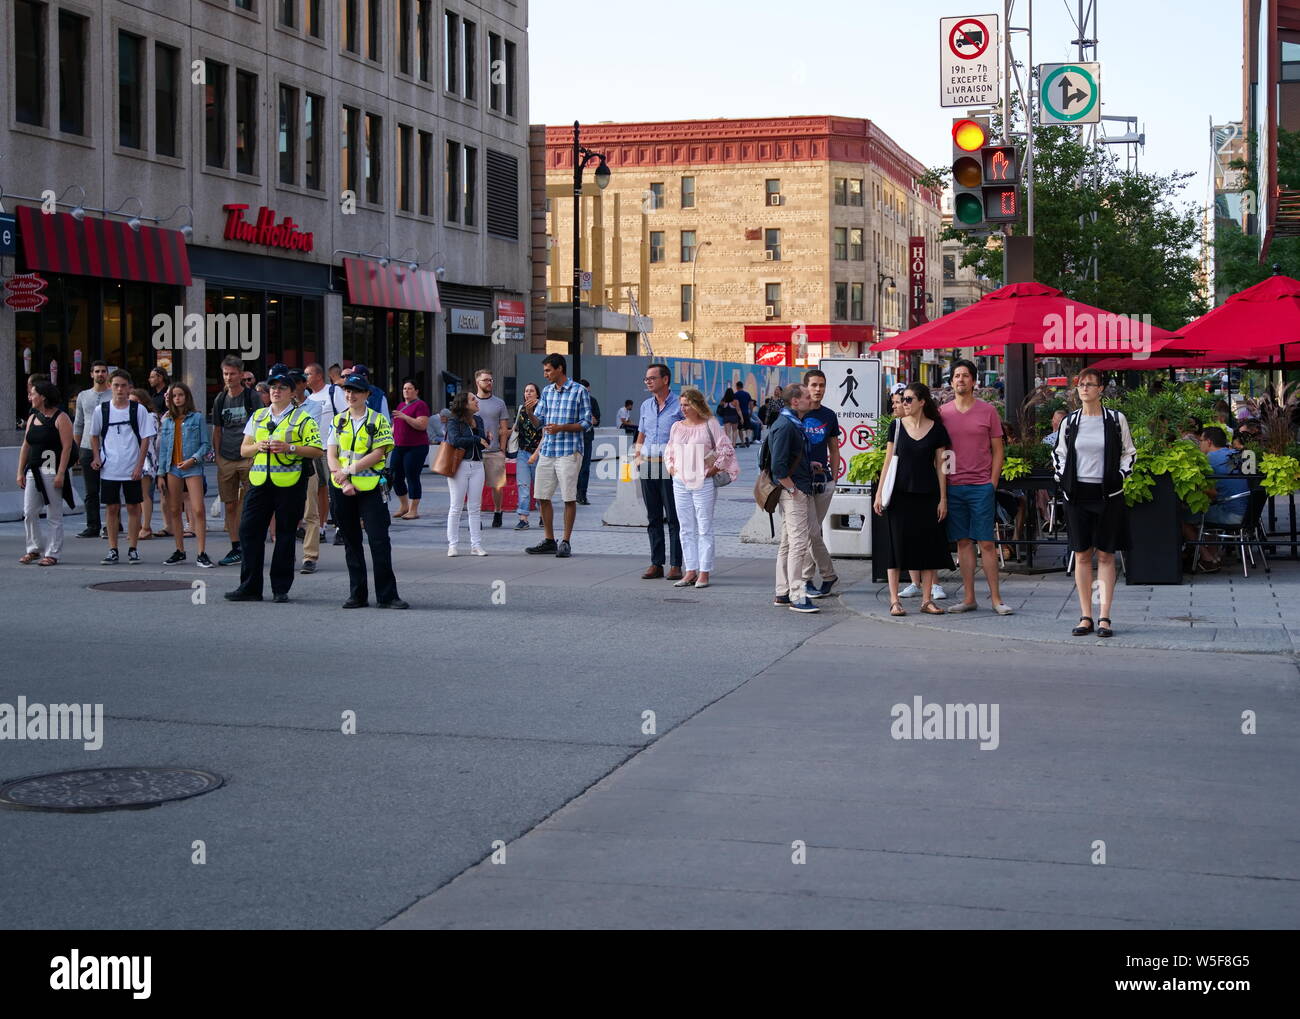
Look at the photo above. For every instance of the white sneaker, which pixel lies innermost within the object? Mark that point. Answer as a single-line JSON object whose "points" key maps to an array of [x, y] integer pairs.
{"points": [[478, 551], [937, 592], [910, 591], [451, 551]]}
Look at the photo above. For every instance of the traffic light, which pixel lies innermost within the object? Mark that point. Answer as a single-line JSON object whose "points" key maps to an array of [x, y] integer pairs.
{"points": [[985, 177]]}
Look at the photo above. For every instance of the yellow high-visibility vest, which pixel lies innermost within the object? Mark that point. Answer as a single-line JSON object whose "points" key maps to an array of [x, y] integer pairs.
{"points": [[284, 469]]}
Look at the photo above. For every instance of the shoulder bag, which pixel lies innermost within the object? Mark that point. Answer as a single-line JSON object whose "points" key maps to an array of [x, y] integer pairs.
{"points": [[448, 460], [722, 478]]}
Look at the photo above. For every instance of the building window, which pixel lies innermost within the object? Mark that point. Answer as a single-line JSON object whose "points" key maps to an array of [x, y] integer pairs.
{"points": [[404, 36], [855, 243], [130, 107], [502, 195], [374, 159], [657, 196], [245, 5], [450, 61], [214, 113], [245, 122], [1290, 61], [404, 136], [315, 24], [688, 296], [29, 62], [287, 137], [349, 128], [688, 192], [374, 34], [72, 73], [841, 191], [288, 13], [511, 64], [841, 235], [841, 300], [469, 58], [496, 73], [771, 300], [349, 24], [314, 118], [855, 302], [855, 192], [166, 85], [772, 189], [471, 185], [451, 180], [950, 267], [426, 173], [772, 244], [656, 246], [949, 305], [688, 245], [423, 38]]}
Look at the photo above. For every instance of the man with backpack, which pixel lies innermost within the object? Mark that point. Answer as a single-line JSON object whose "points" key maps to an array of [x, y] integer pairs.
{"points": [[786, 454], [231, 411], [120, 431], [280, 440]]}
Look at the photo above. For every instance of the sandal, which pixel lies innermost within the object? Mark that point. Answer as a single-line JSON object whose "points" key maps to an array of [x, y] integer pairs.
{"points": [[896, 609], [1104, 631], [144, 536], [931, 609], [47, 561], [162, 534], [29, 558], [1081, 630], [188, 534]]}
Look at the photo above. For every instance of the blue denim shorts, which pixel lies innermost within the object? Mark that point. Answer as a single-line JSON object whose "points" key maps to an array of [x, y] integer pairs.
{"points": [[970, 512], [186, 472]]}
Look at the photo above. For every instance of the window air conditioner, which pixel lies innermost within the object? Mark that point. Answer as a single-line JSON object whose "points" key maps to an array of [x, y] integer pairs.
{"points": [[768, 254], [774, 199], [770, 311]]}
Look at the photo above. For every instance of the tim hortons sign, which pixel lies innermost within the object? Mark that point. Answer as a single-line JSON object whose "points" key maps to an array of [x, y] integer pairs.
{"points": [[266, 231]]}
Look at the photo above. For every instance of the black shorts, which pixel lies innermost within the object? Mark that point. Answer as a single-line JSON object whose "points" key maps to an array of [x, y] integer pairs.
{"points": [[1095, 521], [114, 493]]}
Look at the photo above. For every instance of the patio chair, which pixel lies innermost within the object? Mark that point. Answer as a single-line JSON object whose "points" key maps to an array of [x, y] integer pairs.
{"points": [[1248, 534]]}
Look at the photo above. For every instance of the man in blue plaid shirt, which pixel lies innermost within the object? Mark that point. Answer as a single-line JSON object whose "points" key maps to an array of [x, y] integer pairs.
{"points": [[563, 413]]}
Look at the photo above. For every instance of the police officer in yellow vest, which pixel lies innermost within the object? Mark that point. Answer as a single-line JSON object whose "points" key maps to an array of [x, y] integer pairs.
{"points": [[358, 446], [282, 440]]}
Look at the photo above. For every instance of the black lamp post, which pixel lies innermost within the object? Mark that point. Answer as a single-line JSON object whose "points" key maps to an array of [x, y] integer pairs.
{"points": [[581, 157]]}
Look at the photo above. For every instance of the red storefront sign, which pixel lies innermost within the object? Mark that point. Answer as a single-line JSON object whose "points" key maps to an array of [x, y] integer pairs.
{"points": [[513, 319], [25, 283], [266, 231], [916, 286], [26, 301]]}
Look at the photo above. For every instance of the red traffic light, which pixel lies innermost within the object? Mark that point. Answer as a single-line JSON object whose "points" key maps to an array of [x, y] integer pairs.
{"points": [[969, 135]]}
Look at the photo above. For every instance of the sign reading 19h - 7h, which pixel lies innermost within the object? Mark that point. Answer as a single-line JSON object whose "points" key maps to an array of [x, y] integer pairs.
{"points": [[969, 61]]}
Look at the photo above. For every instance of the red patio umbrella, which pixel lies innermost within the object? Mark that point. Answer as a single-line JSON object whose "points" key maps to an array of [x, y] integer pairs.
{"points": [[1256, 323], [1111, 364], [1036, 314]]}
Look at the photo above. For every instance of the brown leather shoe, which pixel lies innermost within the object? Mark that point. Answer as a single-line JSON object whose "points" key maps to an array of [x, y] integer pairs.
{"points": [[675, 573], [654, 573]]}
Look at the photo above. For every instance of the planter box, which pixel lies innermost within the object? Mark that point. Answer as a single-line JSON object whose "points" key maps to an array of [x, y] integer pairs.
{"points": [[1155, 538]]}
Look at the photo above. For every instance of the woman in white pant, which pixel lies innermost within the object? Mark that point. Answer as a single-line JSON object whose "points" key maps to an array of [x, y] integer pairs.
{"points": [[697, 450], [43, 472], [465, 431]]}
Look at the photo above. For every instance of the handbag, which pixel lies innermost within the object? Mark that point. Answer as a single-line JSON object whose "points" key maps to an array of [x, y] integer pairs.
{"points": [[723, 478], [448, 460], [887, 486], [512, 443]]}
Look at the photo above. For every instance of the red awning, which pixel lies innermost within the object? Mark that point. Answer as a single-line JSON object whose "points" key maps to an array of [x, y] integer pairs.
{"points": [[391, 286], [100, 247]]}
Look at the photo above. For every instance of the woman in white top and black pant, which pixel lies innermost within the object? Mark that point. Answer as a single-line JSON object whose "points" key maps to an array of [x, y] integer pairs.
{"points": [[1094, 453]]}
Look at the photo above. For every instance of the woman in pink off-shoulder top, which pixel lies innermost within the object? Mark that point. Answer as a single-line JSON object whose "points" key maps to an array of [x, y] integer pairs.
{"points": [[697, 449]]}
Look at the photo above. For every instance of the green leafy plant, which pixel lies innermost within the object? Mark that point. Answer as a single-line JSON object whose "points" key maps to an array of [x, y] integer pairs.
{"points": [[1015, 467], [1188, 468], [1281, 474], [865, 467]]}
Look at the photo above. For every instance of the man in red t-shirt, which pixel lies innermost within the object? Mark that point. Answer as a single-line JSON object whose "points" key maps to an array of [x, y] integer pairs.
{"points": [[976, 432]]}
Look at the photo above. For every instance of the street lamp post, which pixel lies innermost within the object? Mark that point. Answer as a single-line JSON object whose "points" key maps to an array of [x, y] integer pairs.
{"points": [[695, 265], [581, 157], [881, 278]]}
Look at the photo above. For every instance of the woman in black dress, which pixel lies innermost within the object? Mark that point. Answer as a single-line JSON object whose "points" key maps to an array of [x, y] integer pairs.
{"points": [[918, 504]]}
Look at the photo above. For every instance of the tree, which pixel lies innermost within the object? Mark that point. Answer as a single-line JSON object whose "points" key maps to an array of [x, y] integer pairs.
{"points": [[1237, 263], [1103, 235]]}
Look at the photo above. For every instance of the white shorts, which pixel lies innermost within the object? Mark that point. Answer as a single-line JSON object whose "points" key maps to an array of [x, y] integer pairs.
{"points": [[557, 471]]}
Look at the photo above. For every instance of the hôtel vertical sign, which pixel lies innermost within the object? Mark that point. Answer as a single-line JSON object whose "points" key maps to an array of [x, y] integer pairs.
{"points": [[916, 281]]}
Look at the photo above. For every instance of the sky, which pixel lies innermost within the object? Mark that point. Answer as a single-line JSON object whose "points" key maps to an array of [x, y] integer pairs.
{"points": [[691, 59]]}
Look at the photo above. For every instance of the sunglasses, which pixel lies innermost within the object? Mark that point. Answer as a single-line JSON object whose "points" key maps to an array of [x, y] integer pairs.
{"points": [[908, 399]]}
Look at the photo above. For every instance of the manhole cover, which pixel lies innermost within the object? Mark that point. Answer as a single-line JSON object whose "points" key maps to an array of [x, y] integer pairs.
{"points": [[131, 586], [107, 788]]}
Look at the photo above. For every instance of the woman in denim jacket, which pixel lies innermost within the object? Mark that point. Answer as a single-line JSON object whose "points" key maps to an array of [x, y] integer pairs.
{"points": [[182, 446]]}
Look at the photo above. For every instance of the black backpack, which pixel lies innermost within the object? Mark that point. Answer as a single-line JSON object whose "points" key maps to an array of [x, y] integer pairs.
{"points": [[103, 419]]}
